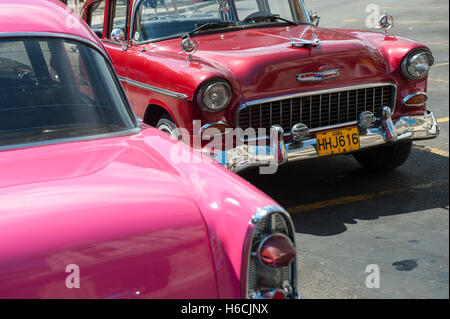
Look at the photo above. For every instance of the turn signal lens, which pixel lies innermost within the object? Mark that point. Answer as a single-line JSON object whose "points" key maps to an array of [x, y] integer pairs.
{"points": [[276, 251], [215, 129], [416, 99]]}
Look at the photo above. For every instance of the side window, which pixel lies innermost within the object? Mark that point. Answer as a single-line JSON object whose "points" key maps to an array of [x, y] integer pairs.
{"points": [[119, 16], [96, 17]]}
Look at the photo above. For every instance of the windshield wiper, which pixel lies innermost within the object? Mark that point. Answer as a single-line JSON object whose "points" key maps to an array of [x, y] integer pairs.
{"points": [[263, 15], [212, 25]]}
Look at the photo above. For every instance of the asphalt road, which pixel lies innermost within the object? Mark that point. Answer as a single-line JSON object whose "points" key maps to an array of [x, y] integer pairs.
{"points": [[347, 218]]}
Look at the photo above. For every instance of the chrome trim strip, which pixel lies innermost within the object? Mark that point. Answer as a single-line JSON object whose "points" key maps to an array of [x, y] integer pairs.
{"points": [[73, 139], [413, 95], [305, 12], [155, 89], [312, 93]]}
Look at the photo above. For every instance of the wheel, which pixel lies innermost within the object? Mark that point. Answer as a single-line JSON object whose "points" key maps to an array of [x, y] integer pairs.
{"points": [[384, 158], [167, 125]]}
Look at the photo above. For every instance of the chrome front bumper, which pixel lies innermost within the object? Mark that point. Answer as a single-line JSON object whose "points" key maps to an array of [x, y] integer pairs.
{"points": [[385, 131]]}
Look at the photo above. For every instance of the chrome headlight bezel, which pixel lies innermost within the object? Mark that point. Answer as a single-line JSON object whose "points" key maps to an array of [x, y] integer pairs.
{"points": [[411, 57], [207, 87]]}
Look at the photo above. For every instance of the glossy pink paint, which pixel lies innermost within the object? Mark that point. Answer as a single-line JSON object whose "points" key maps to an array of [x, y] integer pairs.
{"points": [[141, 215], [129, 217], [259, 63]]}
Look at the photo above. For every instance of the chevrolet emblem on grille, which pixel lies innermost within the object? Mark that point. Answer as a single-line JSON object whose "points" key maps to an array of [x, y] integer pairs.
{"points": [[317, 76]]}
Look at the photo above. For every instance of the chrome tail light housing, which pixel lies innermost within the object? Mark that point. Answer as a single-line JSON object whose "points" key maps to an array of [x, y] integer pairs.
{"points": [[271, 270]]}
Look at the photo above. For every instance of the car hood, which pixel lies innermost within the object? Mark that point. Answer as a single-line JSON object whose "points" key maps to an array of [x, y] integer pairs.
{"points": [[265, 63]]}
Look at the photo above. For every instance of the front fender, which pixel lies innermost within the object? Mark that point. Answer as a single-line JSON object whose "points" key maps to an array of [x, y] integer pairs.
{"points": [[226, 211], [394, 49]]}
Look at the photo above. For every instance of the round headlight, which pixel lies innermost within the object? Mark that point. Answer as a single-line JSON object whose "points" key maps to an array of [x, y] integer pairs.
{"points": [[416, 64], [215, 96]]}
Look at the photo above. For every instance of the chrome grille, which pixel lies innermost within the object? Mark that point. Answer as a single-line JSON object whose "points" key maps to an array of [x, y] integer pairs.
{"points": [[317, 110]]}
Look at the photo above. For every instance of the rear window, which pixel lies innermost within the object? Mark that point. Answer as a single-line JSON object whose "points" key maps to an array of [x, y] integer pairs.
{"points": [[55, 89]]}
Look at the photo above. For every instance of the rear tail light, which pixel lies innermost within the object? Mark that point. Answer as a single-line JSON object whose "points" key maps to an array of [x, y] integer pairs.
{"points": [[416, 99], [276, 251], [271, 270]]}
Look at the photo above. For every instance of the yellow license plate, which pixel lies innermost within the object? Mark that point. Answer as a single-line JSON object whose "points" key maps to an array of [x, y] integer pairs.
{"points": [[337, 141]]}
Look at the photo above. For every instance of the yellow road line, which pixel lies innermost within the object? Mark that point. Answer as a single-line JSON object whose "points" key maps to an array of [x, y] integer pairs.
{"points": [[358, 198], [440, 64], [443, 42], [438, 80], [442, 120], [432, 150]]}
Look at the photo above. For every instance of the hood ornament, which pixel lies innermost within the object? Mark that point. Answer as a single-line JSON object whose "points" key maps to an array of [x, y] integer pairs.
{"points": [[188, 46], [300, 43], [386, 22]]}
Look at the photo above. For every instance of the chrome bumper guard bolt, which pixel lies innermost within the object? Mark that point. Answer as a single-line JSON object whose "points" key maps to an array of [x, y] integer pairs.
{"points": [[366, 120], [300, 132]]}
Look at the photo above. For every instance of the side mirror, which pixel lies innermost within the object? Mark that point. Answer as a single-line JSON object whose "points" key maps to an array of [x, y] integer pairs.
{"points": [[117, 35], [314, 17]]}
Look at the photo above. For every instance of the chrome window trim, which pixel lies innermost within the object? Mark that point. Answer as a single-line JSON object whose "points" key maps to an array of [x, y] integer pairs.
{"points": [[132, 131], [136, 3], [318, 92], [261, 213], [305, 12], [155, 89]]}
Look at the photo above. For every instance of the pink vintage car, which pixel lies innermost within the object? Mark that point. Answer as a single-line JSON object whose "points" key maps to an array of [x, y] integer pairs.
{"points": [[92, 204], [261, 75]]}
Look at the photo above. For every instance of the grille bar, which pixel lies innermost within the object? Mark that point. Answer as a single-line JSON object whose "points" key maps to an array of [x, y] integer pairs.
{"points": [[316, 110]]}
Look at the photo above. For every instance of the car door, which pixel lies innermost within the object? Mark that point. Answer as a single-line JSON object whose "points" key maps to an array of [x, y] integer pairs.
{"points": [[109, 19]]}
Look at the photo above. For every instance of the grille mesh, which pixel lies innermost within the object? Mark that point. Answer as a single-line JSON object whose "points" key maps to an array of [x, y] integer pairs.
{"points": [[317, 111]]}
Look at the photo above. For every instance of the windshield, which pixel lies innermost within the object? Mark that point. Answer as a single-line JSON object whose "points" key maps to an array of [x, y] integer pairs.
{"points": [[55, 89], [165, 18]]}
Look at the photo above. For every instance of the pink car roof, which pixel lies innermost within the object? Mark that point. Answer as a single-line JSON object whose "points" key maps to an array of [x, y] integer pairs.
{"points": [[44, 16]]}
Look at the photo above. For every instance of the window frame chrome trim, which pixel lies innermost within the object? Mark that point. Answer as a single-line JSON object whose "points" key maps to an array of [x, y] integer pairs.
{"points": [[128, 132]]}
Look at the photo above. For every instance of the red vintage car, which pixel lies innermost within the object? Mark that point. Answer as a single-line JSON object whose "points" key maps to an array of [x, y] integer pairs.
{"points": [[262, 75], [92, 204]]}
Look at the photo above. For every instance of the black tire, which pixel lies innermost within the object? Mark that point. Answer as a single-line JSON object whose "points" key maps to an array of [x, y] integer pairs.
{"points": [[167, 125], [384, 158]]}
